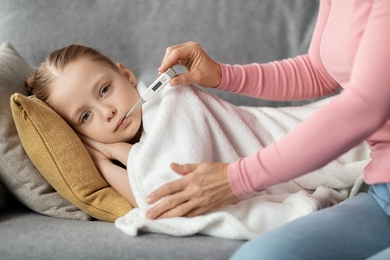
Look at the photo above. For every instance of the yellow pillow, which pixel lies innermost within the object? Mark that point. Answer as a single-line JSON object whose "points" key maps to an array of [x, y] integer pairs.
{"points": [[60, 156]]}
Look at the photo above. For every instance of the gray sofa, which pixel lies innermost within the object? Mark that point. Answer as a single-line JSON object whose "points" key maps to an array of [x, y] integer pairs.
{"points": [[137, 33]]}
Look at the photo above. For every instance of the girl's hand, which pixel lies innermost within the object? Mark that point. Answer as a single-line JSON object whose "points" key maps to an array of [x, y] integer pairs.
{"points": [[204, 187], [95, 154], [202, 70], [112, 151], [102, 148]]}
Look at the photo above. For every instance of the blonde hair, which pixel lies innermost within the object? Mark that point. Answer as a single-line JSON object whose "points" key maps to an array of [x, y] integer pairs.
{"points": [[39, 84]]}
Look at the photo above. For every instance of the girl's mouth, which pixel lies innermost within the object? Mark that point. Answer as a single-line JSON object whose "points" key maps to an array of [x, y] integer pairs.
{"points": [[120, 123]]}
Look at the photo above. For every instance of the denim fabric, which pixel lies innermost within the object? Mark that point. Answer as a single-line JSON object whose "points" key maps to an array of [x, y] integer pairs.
{"points": [[381, 193], [357, 228]]}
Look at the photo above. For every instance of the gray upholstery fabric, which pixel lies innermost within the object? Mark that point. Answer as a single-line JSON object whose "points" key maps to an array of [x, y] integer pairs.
{"points": [[25, 235], [137, 33]]}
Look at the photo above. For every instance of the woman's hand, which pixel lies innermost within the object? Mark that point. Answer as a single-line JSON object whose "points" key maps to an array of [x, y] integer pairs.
{"points": [[204, 187], [202, 70]]}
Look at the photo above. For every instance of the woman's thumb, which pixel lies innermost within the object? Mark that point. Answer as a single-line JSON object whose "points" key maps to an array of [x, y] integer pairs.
{"points": [[181, 79], [183, 168]]}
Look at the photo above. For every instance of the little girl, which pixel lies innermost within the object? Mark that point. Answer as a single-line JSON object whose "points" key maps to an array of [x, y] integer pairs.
{"points": [[93, 95]]}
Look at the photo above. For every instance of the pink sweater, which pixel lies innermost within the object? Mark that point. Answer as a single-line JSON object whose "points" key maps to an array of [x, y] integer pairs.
{"points": [[350, 48]]}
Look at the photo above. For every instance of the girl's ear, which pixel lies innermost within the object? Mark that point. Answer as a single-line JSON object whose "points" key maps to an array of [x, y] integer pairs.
{"points": [[129, 75]]}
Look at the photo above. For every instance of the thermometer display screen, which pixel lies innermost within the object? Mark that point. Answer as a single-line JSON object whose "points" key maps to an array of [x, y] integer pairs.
{"points": [[157, 86]]}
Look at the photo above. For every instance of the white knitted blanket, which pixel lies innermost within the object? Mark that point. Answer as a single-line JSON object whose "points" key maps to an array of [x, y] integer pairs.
{"points": [[188, 125]]}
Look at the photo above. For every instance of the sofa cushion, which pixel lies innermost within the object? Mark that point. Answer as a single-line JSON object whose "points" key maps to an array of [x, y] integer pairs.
{"points": [[17, 173], [60, 156]]}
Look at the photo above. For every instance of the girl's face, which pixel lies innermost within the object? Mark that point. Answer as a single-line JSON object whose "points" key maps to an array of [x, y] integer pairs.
{"points": [[94, 99]]}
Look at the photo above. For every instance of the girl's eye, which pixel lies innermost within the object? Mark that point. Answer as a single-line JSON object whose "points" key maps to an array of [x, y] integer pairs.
{"points": [[85, 117], [105, 89]]}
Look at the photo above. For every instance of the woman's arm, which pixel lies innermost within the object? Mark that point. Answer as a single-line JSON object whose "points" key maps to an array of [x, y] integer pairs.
{"points": [[290, 79], [350, 118]]}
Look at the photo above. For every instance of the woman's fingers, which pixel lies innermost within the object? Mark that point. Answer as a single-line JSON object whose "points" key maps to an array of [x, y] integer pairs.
{"points": [[201, 69], [203, 188], [173, 206], [183, 168], [172, 187], [176, 198], [197, 211], [174, 55], [166, 189], [181, 210]]}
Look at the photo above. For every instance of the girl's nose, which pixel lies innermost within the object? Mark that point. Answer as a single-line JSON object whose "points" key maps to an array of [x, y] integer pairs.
{"points": [[110, 113]]}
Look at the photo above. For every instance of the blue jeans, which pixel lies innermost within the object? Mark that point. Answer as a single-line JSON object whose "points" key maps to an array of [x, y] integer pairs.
{"points": [[358, 228]]}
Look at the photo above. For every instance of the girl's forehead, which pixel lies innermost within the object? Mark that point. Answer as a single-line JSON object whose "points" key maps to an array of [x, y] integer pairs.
{"points": [[79, 78], [85, 64]]}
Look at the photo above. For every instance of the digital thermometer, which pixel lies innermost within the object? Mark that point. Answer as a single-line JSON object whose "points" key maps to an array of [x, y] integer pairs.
{"points": [[154, 88]]}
